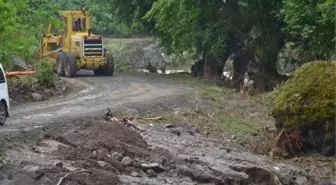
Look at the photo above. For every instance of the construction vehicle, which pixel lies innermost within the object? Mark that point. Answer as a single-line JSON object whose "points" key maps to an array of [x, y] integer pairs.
{"points": [[76, 48]]}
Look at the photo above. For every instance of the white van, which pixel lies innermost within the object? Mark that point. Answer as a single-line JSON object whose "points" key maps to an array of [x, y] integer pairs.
{"points": [[4, 98]]}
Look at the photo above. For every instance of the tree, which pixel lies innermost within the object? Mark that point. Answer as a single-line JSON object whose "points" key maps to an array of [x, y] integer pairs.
{"points": [[14, 38], [310, 26]]}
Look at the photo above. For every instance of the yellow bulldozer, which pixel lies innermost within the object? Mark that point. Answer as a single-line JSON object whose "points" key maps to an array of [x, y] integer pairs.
{"points": [[76, 48]]}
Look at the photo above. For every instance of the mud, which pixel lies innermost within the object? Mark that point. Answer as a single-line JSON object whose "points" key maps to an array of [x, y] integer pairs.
{"points": [[158, 156]]}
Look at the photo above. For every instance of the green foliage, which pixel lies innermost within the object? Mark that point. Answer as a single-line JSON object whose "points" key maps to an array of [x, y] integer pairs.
{"points": [[308, 97], [311, 25], [45, 74], [22, 82], [14, 38], [123, 66]]}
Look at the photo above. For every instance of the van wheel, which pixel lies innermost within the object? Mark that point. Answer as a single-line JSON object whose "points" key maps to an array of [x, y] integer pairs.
{"points": [[3, 113]]}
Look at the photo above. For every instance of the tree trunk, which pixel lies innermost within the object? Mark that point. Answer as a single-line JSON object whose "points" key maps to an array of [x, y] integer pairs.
{"points": [[240, 67], [210, 66]]}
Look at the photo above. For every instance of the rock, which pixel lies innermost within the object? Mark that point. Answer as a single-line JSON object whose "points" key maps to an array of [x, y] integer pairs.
{"points": [[169, 126], [102, 163], [58, 164], [301, 180], [134, 174], [290, 175], [37, 97], [233, 137], [328, 182], [117, 156], [151, 173], [153, 166], [328, 145], [176, 131], [127, 161], [33, 171], [2, 164]]}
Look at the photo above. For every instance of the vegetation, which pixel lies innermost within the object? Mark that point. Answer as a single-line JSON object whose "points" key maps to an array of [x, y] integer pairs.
{"points": [[45, 74], [255, 31], [308, 97], [223, 113]]}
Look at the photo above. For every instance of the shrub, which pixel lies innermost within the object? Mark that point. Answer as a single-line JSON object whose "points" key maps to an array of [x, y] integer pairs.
{"points": [[308, 96], [45, 74], [123, 66]]}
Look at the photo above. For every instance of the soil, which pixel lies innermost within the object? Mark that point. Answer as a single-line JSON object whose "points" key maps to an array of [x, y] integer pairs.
{"points": [[185, 157]]}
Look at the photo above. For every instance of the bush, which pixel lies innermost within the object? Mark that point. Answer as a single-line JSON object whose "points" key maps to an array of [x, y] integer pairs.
{"points": [[308, 96], [45, 74], [123, 66], [306, 102]]}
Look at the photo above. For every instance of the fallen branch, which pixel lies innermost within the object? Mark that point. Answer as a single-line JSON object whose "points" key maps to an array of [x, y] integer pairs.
{"points": [[152, 119], [62, 179]]}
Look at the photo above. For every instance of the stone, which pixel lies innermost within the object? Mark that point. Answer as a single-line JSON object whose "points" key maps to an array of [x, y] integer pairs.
{"points": [[134, 174], [301, 180], [233, 137], [127, 161], [153, 166], [102, 163], [328, 182], [37, 97], [169, 126], [33, 171], [117, 156], [58, 164], [2, 177], [151, 173], [176, 131]]}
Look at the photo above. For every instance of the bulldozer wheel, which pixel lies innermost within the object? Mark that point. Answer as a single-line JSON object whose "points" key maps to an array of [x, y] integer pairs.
{"points": [[60, 60], [109, 67], [99, 71], [70, 65]]}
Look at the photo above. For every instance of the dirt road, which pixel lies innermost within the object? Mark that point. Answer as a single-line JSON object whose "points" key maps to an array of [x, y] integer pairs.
{"points": [[96, 94]]}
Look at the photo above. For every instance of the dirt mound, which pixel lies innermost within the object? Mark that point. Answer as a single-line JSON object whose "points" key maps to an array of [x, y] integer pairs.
{"points": [[26, 89], [106, 138]]}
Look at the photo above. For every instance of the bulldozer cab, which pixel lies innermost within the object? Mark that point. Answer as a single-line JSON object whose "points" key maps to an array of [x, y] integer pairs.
{"points": [[76, 21]]}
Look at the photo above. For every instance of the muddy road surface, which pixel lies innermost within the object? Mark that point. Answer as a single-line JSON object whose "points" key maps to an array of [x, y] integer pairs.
{"points": [[95, 95]]}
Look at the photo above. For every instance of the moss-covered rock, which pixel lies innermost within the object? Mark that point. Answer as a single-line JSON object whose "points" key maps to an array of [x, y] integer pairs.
{"points": [[307, 99]]}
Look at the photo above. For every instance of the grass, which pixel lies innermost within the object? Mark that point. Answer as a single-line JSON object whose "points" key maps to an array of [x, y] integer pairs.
{"points": [[123, 67], [225, 112]]}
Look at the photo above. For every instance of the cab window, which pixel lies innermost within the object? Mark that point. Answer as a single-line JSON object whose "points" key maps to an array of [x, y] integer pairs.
{"points": [[79, 24]]}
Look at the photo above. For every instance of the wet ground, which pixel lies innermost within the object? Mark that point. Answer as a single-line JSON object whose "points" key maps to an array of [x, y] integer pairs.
{"points": [[64, 141], [111, 153]]}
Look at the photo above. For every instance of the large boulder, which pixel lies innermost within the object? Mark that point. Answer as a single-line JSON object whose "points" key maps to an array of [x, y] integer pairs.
{"points": [[144, 55], [306, 103]]}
